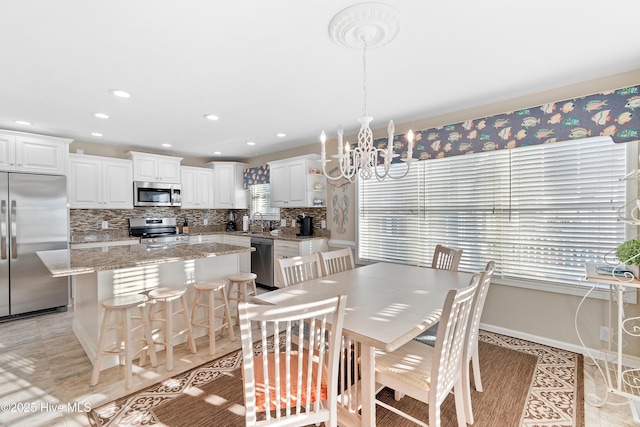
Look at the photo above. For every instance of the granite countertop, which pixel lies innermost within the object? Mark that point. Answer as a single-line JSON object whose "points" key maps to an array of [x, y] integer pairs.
{"points": [[98, 237], [68, 262], [265, 235]]}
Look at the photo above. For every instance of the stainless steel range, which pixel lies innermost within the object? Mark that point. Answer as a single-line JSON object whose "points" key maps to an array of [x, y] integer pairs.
{"points": [[157, 231]]}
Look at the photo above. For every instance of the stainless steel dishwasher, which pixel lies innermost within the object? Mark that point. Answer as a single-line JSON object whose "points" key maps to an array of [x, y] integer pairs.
{"points": [[262, 260]]}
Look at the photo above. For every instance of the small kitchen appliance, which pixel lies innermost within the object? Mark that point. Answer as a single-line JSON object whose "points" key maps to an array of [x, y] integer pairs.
{"points": [[157, 231], [306, 225], [156, 194], [231, 224]]}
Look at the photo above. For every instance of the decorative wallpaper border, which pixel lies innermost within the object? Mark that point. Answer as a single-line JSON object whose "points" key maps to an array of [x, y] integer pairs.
{"points": [[610, 113], [256, 175]]}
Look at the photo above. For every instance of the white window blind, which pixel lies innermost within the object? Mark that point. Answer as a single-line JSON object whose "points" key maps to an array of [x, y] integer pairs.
{"points": [[260, 195], [540, 212]]}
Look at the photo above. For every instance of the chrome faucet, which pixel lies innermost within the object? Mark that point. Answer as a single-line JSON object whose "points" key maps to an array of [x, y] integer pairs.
{"points": [[253, 220]]}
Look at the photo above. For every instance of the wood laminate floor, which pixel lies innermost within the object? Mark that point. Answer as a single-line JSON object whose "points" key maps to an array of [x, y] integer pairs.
{"points": [[45, 375]]}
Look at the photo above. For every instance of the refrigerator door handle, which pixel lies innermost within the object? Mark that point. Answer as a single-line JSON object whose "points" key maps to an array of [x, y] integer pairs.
{"points": [[3, 229], [14, 246]]}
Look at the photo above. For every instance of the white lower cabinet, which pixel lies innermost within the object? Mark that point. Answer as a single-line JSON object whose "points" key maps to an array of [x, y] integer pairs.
{"points": [[288, 249]]}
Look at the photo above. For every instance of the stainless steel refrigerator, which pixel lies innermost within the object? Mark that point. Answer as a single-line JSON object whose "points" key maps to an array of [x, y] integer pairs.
{"points": [[33, 217]]}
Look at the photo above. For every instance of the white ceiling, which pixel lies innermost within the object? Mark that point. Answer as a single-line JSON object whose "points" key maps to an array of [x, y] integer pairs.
{"points": [[269, 66]]}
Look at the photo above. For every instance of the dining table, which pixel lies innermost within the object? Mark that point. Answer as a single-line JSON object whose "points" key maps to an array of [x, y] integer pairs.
{"points": [[388, 304]]}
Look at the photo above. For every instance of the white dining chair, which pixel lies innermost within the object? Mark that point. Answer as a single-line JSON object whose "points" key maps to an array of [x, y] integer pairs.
{"points": [[445, 258], [298, 269], [471, 356], [289, 384], [429, 374], [429, 337], [337, 261]]}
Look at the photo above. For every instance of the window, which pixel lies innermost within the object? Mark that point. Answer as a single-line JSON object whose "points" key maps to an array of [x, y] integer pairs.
{"points": [[260, 195], [540, 212]]}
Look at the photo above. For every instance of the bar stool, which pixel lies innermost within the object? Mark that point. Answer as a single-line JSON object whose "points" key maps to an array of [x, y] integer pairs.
{"points": [[238, 284], [209, 289], [164, 299], [119, 316]]}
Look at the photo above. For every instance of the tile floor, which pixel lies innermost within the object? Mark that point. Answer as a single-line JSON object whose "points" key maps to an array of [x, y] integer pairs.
{"points": [[44, 372]]}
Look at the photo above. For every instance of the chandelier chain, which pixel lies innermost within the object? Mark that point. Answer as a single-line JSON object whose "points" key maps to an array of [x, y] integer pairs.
{"points": [[364, 75]]}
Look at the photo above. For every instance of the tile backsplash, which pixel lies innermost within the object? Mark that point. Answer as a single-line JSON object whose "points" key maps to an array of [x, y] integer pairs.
{"points": [[87, 221]]}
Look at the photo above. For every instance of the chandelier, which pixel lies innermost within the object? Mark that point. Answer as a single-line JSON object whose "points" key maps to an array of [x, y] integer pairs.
{"points": [[364, 26]]}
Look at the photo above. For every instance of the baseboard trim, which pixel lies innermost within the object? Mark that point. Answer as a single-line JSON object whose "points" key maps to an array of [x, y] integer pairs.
{"points": [[587, 352]]}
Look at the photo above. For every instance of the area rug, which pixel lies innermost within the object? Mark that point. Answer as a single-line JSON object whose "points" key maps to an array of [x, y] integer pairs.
{"points": [[525, 384]]}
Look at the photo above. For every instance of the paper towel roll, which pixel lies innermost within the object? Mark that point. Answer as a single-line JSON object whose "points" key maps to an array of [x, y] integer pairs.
{"points": [[245, 223]]}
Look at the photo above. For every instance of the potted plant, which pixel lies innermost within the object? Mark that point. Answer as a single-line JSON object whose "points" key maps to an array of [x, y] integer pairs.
{"points": [[629, 254]]}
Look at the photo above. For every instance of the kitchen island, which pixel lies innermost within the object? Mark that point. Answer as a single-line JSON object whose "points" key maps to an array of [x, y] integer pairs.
{"points": [[104, 272]]}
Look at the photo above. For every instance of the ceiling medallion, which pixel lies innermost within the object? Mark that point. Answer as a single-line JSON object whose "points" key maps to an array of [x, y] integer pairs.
{"points": [[365, 26]]}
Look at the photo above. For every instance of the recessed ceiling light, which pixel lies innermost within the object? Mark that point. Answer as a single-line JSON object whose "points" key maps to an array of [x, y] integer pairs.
{"points": [[23, 122], [217, 153], [212, 117], [120, 93], [166, 145], [96, 134], [101, 115], [281, 135], [251, 143]]}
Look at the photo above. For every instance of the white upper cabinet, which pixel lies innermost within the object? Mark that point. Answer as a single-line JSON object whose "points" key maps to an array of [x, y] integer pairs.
{"points": [[197, 188], [23, 152], [100, 182], [229, 191], [155, 167], [294, 185]]}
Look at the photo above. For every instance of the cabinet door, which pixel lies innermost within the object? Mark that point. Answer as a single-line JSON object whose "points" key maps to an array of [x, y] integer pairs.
{"points": [[145, 169], [279, 185], [7, 152], [189, 188], [204, 186], [85, 183], [169, 170], [117, 184], [225, 186], [298, 184], [282, 249], [34, 155]]}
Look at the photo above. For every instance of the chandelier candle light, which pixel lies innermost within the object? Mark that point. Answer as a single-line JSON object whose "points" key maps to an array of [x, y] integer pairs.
{"points": [[367, 25]]}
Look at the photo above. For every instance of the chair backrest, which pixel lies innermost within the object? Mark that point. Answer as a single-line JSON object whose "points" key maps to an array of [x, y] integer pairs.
{"points": [[299, 269], [445, 258], [478, 306], [451, 341], [283, 379], [337, 261]]}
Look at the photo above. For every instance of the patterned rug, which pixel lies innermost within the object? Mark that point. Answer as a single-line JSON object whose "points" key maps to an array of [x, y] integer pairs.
{"points": [[554, 397]]}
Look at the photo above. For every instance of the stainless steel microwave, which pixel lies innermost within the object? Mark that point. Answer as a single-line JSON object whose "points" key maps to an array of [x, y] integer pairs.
{"points": [[156, 194]]}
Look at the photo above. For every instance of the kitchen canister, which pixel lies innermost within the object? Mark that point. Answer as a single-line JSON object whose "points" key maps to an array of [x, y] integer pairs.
{"points": [[245, 223]]}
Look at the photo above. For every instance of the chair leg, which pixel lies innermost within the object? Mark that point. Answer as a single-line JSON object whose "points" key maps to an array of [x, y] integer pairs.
{"points": [[458, 392], [227, 313], [96, 364], [212, 322], [149, 338], [477, 381], [168, 333], [187, 323], [128, 350]]}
